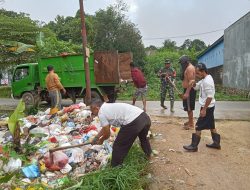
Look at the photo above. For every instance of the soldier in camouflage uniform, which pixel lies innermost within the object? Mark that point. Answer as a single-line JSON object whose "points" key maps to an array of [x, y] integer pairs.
{"points": [[167, 73]]}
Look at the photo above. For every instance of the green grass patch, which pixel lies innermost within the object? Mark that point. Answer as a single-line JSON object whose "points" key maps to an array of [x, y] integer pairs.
{"points": [[129, 176], [5, 91], [154, 90]]}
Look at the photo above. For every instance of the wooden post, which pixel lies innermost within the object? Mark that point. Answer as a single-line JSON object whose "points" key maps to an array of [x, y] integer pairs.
{"points": [[85, 54]]}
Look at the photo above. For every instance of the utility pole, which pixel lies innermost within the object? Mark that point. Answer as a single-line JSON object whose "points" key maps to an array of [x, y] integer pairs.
{"points": [[85, 54]]}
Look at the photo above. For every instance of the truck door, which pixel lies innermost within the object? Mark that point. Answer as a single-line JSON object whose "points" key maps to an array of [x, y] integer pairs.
{"points": [[106, 67], [124, 65], [22, 80]]}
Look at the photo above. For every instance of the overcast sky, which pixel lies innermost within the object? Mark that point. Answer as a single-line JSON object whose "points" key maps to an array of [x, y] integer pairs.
{"points": [[156, 19]]}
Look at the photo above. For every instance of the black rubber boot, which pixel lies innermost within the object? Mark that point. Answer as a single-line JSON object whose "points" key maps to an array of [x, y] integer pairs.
{"points": [[162, 104], [216, 143], [172, 106], [193, 147]]}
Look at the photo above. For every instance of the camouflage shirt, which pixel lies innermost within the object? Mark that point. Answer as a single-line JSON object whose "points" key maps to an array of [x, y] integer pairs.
{"points": [[164, 72]]}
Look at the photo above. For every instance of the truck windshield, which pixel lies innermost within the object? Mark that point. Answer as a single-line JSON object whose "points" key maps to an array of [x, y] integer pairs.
{"points": [[21, 73]]}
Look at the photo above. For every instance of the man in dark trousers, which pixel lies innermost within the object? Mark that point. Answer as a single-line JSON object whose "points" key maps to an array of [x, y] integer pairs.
{"points": [[54, 87], [140, 84], [207, 102], [188, 74], [167, 73], [134, 122]]}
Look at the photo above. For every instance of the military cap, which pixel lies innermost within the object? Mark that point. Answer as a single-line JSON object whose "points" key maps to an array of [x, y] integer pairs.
{"points": [[167, 61]]}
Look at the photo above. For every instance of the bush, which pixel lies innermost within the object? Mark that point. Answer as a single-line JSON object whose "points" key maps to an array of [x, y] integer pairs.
{"points": [[5, 91]]}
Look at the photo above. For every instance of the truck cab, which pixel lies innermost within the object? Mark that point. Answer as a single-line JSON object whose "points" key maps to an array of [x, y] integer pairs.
{"points": [[25, 82]]}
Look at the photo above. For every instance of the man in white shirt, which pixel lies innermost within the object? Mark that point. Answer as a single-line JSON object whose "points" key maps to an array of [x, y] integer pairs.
{"points": [[207, 102], [134, 122]]}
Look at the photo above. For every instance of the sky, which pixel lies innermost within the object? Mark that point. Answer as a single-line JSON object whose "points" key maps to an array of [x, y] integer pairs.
{"points": [[157, 20]]}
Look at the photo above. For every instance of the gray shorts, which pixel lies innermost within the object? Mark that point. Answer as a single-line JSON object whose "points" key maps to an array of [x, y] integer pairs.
{"points": [[56, 98], [141, 92]]}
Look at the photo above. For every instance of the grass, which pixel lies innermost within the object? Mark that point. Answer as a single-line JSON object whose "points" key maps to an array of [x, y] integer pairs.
{"points": [[5, 91], [222, 94], [130, 176], [153, 94]]}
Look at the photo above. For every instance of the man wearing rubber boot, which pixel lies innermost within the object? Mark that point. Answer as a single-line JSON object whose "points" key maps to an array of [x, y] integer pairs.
{"points": [[207, 102], [167, 73]]}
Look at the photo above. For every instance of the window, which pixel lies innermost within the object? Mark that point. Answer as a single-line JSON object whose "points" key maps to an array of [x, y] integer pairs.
{"points": [[21, 73]]}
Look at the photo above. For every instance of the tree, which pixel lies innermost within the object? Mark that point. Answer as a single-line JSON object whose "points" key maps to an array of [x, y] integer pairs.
{"points": [[69, 28], [168, 44], [151, 47], [17, 37], [114, 32], [198, 45], [186, 44], [17, 27]]}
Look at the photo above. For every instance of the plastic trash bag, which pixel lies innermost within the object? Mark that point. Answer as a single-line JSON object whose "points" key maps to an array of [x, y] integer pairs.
{"points": [[12, 165], [56, 161], [31, 171]]}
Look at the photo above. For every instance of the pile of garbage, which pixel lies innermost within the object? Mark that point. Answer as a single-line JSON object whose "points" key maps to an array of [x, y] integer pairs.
{"points": [[42, 132]]}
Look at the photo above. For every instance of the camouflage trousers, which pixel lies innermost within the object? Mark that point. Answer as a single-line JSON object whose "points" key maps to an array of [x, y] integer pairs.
{"points": [[164, 88]]}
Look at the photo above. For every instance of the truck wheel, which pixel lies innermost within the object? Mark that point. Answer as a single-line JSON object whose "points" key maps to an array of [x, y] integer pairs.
{"points": [[28, 99]]}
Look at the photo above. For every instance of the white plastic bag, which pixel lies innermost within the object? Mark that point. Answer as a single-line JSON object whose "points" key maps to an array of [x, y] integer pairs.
{"points": [[12, 165]]}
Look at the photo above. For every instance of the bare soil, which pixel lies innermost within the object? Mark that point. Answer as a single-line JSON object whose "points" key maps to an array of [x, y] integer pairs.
{"points": [[174, 168]]}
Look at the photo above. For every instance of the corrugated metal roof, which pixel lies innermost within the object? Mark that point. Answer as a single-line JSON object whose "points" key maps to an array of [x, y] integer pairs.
{"points": [[221, 39]]}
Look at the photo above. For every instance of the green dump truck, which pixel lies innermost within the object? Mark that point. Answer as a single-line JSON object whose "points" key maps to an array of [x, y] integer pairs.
{"points": [[107, 70]]}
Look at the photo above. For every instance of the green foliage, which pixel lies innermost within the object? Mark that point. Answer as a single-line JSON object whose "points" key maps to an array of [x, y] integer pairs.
{"points": [[69, 28], [53, 47], [6, 178], [14, 118], [115, 32], [17, 27], [5, 92], [20, 29], [169, 44], [196, 44]]}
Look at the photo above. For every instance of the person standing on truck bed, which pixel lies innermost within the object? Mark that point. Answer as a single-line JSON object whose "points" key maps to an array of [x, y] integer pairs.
{"points": [[54, 87], [140, 84]]}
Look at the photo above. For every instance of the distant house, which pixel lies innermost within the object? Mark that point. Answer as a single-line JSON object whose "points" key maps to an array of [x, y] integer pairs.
{"points": [[213, 57]]}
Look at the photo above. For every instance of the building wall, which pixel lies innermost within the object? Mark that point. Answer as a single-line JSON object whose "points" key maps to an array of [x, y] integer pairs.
{"points": [[236, 68], [214, 57], [216, 73]]}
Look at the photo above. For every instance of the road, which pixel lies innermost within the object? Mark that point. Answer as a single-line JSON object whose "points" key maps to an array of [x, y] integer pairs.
{"points": [[227, 110]]}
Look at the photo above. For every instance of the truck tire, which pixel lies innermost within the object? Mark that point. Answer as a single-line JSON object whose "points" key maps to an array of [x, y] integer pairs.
{"points": [[28, 99]]}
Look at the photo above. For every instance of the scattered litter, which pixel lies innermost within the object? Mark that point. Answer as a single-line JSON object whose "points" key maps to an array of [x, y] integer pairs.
{"points": [[31, 171], [155, 152], [70, 126], [180, 181], [171, 150], [188, 172], [12, 165]]}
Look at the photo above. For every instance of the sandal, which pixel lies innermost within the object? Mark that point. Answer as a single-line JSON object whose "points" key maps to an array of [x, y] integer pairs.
{"points": [[187, 127]]}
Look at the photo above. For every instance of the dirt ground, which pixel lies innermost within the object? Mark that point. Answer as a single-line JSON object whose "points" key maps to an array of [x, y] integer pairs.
{"points": [[174, 168]]}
